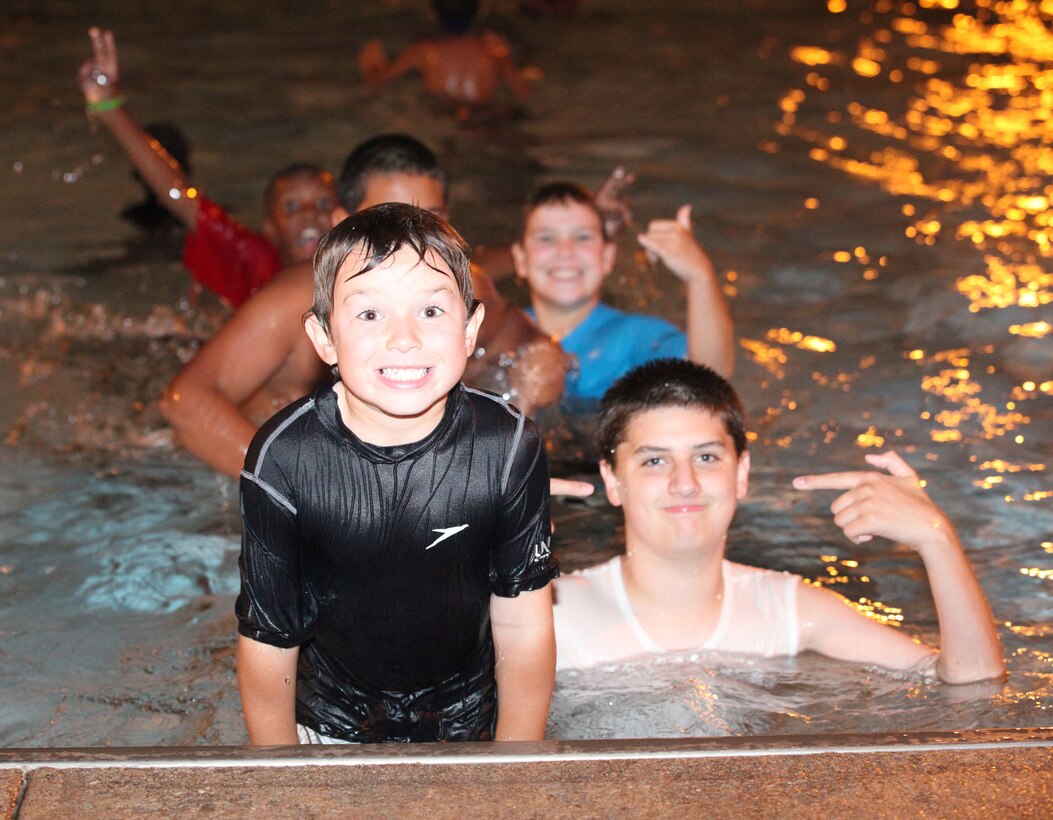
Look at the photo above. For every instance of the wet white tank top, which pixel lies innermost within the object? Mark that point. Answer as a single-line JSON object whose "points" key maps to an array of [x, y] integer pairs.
{"points": [[595, 623]]}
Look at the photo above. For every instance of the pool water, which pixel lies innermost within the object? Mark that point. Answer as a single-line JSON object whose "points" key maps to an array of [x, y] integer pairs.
{"points": [[871, 185]]}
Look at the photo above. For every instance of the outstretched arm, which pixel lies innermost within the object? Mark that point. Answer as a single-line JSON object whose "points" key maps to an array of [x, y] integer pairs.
{"points": [[894, 506], [710, 335], [267, 683], [525, 643], [203, 403], [99, 80], [375, 68]]}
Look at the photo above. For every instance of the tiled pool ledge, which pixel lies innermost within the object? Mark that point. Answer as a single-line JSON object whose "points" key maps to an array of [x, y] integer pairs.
{"points": [[942, 773]]}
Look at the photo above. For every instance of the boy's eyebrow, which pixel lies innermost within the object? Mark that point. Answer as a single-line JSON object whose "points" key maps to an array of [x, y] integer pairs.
{"points": [[358, 273], [424, 294], [553, 228], [645, 449]]}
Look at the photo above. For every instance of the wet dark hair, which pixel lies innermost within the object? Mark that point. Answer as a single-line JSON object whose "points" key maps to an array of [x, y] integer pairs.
{"points": [[560, 193], [386, 154], [381, 232], [667, 383], [456, 16], [297, 169]]}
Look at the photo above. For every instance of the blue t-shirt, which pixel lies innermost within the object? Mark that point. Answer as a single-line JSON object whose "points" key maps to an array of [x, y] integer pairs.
{"points": [[610, 343]]}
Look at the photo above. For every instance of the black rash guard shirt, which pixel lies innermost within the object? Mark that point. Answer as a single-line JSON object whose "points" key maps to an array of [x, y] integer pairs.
{"points": [[379, 562]]}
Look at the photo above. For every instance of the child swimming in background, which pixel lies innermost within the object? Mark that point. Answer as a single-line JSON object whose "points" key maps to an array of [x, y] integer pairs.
{"points": [[220, 253], [395, 558], [564, 254], [464, 68], [673, 442]]}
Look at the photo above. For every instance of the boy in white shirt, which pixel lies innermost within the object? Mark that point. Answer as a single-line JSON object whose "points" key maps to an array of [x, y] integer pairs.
{"points": [[673, 444]]}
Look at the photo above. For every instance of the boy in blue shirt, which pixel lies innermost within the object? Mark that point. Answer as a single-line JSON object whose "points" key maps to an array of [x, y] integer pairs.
{"points": [[565, 254]]}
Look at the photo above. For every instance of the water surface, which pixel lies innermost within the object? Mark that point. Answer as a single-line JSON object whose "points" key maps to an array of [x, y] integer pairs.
{"points": [[871, 184]]}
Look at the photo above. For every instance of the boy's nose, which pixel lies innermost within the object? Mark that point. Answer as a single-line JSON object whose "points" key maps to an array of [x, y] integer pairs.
{"points": [[403, 335], [564, 246], [683, 481]]}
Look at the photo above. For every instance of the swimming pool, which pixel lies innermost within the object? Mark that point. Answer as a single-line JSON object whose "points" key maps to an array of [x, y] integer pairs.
{"points": [[887, 292]]}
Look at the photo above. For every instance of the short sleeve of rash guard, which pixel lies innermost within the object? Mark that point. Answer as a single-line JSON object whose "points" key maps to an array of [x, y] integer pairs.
{"points": [[274, 606], [522, 559]]}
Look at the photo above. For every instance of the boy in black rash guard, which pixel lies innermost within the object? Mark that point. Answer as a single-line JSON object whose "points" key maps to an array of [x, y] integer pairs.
{"points": [[396, 522]]}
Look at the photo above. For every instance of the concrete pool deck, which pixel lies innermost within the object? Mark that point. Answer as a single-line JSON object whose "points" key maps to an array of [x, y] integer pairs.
{"points": [[977, 773]]}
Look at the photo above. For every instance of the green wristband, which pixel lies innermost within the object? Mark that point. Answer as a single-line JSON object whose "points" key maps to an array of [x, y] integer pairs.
{"points": [[111, 104]]}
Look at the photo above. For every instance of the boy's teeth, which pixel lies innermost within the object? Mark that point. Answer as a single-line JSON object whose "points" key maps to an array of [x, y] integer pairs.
{"points": [[564, 273], [404, 374]]}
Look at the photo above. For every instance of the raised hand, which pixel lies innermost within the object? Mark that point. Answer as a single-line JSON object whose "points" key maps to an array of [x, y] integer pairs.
{"points": [[673, 241], [613, 202], [891, 505], [894, 505], [99, 76]]}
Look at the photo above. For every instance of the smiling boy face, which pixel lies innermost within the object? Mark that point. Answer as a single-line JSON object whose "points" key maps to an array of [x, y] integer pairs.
{"points": [[299, 212], [400, 338], [678, 479], [563, 255]]}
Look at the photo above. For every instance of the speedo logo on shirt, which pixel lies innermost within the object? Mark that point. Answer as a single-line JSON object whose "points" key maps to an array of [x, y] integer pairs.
{"points": [[444, 533]]}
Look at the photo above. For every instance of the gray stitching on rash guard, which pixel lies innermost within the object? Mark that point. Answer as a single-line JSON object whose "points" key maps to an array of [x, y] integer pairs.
{"points": [[254, 476], [267, 488], [277, 431], [520, 424]]}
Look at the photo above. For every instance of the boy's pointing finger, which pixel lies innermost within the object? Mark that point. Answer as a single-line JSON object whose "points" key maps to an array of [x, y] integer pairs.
{"points": [[828, 481]]}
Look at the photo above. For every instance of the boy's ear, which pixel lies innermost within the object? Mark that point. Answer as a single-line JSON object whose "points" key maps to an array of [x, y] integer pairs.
{"points": [[743, 478], [471, 330], [323, 344], [519, 260], [610, 483], [339, 215]]}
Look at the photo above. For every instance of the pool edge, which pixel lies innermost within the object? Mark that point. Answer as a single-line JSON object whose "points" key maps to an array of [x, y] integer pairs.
{"points": [[27, 759], [990, 772]]}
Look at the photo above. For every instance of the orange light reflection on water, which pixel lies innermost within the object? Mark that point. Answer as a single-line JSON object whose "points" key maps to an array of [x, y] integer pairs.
{"points": [[955, 384], [971, 153], [988, 132]]}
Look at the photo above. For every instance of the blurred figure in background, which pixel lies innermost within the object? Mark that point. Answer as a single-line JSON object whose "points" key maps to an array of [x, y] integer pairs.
{"points": [[464, 68], [220, 253]]}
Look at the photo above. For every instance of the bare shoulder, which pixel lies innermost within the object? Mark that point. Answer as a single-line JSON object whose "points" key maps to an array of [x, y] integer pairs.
{"points": [[295, 280], [496, 44], [265, 327], [281, 303], [822, 611], [813, 599]]}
